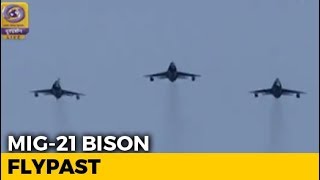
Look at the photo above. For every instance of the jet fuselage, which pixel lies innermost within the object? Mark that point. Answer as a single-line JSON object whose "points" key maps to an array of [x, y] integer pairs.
{"points": [[277, 89], [57, 90], [172, 73]]}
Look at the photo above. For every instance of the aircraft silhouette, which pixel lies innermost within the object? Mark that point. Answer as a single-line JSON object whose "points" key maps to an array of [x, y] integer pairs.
{"points": [[57, 91], [277, 90], [172, 74]]}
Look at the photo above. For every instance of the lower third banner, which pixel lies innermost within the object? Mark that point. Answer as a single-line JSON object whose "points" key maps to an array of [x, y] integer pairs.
{"points": [[146, 166]]}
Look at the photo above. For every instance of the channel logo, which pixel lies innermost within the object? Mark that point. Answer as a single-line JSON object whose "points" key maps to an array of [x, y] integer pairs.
{"points": [[14, 20]]}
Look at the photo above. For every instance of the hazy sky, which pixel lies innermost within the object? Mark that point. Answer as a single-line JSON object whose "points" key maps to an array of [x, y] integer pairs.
{"points": [[103, 49]]}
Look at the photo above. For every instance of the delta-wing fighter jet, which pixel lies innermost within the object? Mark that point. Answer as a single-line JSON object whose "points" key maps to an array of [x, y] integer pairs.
{"points": [[172, 74], [277, 91], [57, 91]]}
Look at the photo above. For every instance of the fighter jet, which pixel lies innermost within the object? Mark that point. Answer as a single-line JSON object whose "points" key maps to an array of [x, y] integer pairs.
{"points": [[172, 74], [277, 90], [57, 91]]}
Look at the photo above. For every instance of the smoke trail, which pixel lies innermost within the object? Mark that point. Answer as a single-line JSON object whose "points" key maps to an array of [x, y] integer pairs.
{"points": [[173, 125], [276, 127], [60, 115], [60, 120]]}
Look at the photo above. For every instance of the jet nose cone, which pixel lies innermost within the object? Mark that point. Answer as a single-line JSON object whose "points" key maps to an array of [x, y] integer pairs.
{"points": [[277, 82], [172, 65], [57, 83]]}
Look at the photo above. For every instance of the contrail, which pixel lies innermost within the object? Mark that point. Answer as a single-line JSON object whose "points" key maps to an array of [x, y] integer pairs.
{"points": [[173, 126], [277, 127], [61, 123]]}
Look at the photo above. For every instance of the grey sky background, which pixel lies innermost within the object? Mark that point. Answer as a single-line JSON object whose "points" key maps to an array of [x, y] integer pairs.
{"points": [[103, 49]]}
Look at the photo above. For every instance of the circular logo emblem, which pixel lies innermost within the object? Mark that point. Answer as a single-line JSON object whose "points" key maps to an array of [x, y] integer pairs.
{"points": [[13, 13]]}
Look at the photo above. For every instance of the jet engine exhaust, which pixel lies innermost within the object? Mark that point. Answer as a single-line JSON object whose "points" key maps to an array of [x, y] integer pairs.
{"points": [[60, 115], [276, 127], [173, 126]]}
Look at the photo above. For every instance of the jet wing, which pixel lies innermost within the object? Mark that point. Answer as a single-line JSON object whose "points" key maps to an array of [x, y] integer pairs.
{"points": [[70, 93], [161, 75], [43, 91], [188, 74], [183, 75], [290, 92], [261, 91]]}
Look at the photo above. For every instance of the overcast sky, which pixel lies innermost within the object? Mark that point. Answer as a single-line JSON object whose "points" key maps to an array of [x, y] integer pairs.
{"points": [[103, 49]]}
